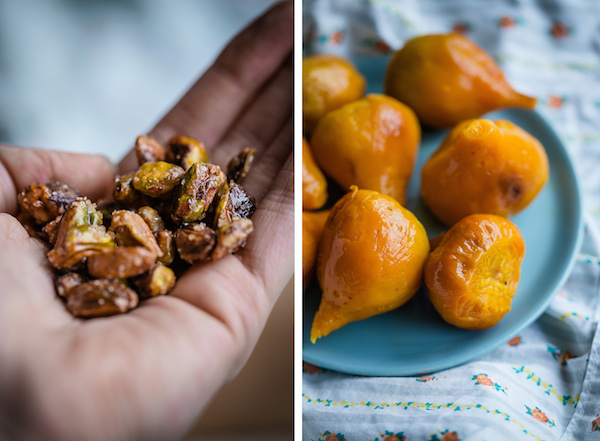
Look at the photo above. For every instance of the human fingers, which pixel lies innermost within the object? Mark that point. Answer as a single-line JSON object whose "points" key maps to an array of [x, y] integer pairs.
{"points": [[27, 294], [263, 118], [268, 163], [241, 289], [91, 175], [269, 254], [214, 103]]}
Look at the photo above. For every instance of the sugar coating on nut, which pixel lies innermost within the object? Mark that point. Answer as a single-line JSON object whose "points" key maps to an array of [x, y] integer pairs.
{"points": [[131, 230], [130, 242], [232, 237], [235, 204], [157, 281], [101, 297], [196, 192], [45, 201], [157, 179], [147, 149], [121, 263], [195, 242], [185, 151], [238, 167]]}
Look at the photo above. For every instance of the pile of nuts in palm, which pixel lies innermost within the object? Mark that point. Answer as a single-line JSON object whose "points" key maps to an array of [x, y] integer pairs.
{"points": [[174, 210]]}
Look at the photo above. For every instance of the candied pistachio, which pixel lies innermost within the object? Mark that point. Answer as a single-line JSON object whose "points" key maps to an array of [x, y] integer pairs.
{"points": [[78, 243], [232, 237], [101, 297], [196, 192], [80, 234], [120, 263], [65, 283], [157, 179], [81, 212], [124, 191], [185, 151], [152, 218], [238, 167], [45, 201], [131, 230], [165, 241], [51, 229], [147, 149], [157, 281], [195, 242], [235, 203]]}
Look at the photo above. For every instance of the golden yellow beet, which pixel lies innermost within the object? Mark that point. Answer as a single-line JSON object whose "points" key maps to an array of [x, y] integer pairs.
{"points": [[313, 224], [473, 274], [446, 79], [328, 82], [371, 143], [314, 184], [370, 260], [483, 166]]}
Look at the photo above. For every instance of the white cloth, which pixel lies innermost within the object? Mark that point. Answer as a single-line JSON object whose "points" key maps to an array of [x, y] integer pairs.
{"points": [[545, 383]]}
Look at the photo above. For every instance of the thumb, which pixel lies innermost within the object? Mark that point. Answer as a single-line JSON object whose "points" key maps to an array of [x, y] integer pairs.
{"points": [[26, 278], [91, 175]]}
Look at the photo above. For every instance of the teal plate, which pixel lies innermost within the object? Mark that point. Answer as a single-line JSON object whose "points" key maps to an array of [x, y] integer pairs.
{"points": [[413, 339]]}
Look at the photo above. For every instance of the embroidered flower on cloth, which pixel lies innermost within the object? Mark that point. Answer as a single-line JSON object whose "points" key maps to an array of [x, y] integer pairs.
{"points": [[484, 380], [515, 341], [540, 416], [559, 30], [446, 435], [561, 356], [332, 436], [555, 102], [425, 379], [506, 21], [391, 436], [461, 27], [596, 424]]}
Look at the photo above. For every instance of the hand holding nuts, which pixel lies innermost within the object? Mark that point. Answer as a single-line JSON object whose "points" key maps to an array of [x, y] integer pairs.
{"points": [[108, 258]]}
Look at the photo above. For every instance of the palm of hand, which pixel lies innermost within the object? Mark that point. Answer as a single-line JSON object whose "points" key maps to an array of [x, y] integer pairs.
{"points": [[147, 374]]}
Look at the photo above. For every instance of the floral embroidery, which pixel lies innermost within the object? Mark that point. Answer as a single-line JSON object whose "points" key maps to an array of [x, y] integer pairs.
{"points": [[332, 436], [566, 315], [555, 102], [333, 38], [507, 21], [540, 416], [391, 436], [548, 388], [425, 379], [559, 30], [311, 369], [463, 407], [561, 356], [596, 424], [446, 435], [484, 380], [461, 27], [515, 341], [377, 44]]}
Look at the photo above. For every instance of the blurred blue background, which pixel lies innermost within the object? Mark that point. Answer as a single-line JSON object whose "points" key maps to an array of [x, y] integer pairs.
{"points": [[91, 75]]}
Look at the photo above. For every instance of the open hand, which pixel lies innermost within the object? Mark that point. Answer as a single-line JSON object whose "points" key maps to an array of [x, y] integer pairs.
{"points": [[148, 374]]}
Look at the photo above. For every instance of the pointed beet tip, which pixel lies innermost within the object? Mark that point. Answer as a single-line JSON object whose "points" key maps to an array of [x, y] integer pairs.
{"points": [[524, 101]]}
